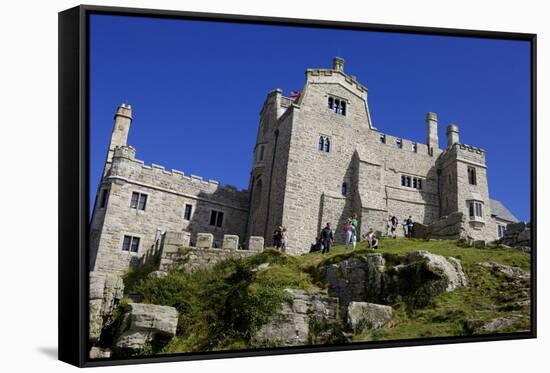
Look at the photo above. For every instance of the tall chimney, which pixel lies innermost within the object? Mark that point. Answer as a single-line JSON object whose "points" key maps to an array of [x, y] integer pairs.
{"points": [[452, 135], [338, 64], [431, 125]]}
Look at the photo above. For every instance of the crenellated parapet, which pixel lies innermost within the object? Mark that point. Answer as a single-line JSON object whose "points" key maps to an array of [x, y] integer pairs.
{"points": [[177, 253], [124, 163]]}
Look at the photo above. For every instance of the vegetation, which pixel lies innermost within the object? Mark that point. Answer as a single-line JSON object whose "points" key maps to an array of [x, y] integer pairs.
{"points": [[223, 307]]}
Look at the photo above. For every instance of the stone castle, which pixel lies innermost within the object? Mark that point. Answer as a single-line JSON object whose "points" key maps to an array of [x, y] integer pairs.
{"points": [[318, 158]]}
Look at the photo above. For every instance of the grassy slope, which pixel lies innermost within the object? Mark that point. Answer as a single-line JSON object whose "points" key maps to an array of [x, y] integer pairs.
{"points": [[200, 297]]}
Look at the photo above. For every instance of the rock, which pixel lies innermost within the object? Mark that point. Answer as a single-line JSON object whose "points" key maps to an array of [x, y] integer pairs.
{"points": [[449, 227], [261, 267], [157, 274], [100, 353], [509, 271], [106, 291], [144, 323], [292, 326], [363, 316], [421, 231], [421, 277], [449, 269], [496, 325]]}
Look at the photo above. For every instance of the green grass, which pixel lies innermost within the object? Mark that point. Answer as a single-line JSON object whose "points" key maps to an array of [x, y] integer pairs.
{"points": [[222, 308]]}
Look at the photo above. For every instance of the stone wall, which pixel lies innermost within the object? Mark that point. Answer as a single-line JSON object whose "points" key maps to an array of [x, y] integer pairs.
{"points": [[167, 194], [517, 235], [177, 254]]}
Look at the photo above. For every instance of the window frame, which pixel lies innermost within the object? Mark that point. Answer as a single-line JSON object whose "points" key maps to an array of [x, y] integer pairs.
{"points": [[216, 216], [185, 213], [472, 175], [140, 202], [103, 197], [129, 242]]}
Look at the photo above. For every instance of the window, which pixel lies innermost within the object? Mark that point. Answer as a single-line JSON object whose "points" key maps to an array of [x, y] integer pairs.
{"points": [[501, 229], [262, 152], [324, 144], [130, 244], [476, 209], [399, 143], [411, 182], [103, 198], [382, 138], [450, 177], [216, 218], [472, 179], [187, 212], [337, 105], [414, 147], [344, 189], [139, 201]]}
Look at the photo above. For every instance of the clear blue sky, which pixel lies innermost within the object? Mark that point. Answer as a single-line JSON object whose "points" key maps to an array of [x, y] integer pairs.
{"points": [[196, 89]]}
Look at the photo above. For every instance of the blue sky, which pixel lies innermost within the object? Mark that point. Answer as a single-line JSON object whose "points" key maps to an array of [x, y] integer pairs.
{"points": [[196, 89]]}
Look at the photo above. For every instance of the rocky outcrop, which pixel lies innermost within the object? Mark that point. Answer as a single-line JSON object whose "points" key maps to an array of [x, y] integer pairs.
{"points": [[451, 227], [497, 325], [420, 277], [363, 316], [144, 323], [298, 321], [100, 353], [517, 235], [513, 273], [106, 291]]}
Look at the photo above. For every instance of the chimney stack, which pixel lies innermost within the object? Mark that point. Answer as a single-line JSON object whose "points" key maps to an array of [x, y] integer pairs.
{"points": [[338, 64], [452, 135], [433, 139]]}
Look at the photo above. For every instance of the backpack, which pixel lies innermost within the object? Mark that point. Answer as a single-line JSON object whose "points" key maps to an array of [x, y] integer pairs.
{"points": [[347, 227]]}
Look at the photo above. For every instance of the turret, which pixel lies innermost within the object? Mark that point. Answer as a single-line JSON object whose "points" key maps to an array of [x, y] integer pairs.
{"points": [[121, 128], [452, 135], [432, 138]]}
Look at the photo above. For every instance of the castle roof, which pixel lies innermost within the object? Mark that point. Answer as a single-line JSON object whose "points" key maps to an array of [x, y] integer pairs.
{"points": [[501, 212]]}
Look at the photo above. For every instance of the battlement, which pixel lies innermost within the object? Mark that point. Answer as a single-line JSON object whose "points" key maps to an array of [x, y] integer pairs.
{"points": [[470, 148], [312, 74], [406, 145], [177, 252], [128, 153]]}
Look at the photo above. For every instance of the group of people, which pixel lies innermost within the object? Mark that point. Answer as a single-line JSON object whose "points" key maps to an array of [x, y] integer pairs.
{"points": [[280, 238], [326, 236], [392, 224]]}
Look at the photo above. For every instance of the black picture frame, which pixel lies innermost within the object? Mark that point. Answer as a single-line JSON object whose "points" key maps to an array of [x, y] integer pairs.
{"points": [[74, 183]]}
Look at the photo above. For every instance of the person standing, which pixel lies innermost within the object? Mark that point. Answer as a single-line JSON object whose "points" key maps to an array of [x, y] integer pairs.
{"points": [[394, 223], [405, 228], [410, 226], [389, 224], [278, 238], [327, 237], [284, 239], [348, 232]]}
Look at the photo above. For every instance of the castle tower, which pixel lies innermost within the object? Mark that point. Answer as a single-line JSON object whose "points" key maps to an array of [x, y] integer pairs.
{"points": [[431, 129], [121, 128], [452, 135]]}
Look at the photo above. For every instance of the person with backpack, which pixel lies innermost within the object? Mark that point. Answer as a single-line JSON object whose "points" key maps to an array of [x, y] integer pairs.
{"points": [[327, 237]]}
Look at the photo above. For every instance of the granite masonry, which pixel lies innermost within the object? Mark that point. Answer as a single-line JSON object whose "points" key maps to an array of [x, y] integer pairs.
{"points": [[318, 158]]}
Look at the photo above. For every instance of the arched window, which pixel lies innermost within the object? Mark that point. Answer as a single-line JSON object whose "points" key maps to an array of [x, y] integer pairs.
{"points": [[327, 145], [344, 189], [321, 143]]}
